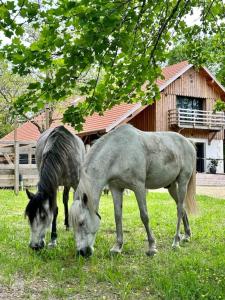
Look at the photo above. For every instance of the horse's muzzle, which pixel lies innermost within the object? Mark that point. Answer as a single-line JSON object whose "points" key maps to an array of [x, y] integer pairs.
{"points": [[85, 252], [37, 246]]}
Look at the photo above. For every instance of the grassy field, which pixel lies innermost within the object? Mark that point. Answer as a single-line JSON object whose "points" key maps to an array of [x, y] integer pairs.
{"points": [[197, 271]]}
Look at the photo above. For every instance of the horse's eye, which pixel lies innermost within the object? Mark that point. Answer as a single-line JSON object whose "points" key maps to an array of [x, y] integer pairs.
{"points": [[42, 216], [81, 223]]}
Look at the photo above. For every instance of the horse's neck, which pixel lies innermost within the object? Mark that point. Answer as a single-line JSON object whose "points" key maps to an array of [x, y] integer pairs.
{"points": [[45, 187], [96, 185], [48, 180]]}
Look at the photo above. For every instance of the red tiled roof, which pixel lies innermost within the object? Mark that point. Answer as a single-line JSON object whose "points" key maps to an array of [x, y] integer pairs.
{"points": [[95, 123], [26, 132], [171, 71]]}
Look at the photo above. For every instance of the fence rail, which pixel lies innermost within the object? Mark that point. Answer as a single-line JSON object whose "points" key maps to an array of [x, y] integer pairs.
{"points": [[193, 118], [13, 170]]}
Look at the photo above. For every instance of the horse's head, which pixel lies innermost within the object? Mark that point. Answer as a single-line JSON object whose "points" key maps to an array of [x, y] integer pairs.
{"points": [[40, 217], [86, 223]]}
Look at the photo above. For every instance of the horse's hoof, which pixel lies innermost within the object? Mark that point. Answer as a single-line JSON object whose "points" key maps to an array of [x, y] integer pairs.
{"points": [[152, 252], [52, 244], [116, 250], [67, 228], [176, 246], [186, 239]]}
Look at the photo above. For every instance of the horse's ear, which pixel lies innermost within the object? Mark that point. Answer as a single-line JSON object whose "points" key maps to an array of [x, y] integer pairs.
{"points": [[85, 199], [29, 194]]}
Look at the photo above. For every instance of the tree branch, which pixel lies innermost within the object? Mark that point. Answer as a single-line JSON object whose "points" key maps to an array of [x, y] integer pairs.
{"points": [[163, 27]]}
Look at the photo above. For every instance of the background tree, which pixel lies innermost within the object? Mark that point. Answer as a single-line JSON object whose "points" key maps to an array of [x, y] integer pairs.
{"points": [[125, 41], [11, 87], [212, 53]]}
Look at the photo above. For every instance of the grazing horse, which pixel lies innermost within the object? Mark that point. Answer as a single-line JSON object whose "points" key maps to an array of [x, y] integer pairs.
{"points": [[59, 156], [129, 158]]}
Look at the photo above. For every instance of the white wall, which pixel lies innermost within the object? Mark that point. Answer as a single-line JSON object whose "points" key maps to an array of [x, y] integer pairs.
{"points": [[214, 150]]}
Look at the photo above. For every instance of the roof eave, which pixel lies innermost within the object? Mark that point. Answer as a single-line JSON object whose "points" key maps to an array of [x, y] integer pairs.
{"points": [[168, 82], [214, 79], [84, 133], [123, 117]]}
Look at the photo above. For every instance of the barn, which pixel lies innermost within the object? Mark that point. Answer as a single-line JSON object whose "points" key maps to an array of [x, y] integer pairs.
{"points": [[186, 106]]}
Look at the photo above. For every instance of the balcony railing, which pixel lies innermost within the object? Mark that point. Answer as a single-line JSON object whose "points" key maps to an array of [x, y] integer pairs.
{"points": [[193, 118]]}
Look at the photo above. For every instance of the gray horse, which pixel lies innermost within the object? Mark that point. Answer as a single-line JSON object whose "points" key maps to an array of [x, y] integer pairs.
{"points": [[59, 156], [133, 159]]}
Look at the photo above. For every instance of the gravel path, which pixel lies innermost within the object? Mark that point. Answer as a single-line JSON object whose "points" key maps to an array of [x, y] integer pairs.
{"points": [[211, 191]]}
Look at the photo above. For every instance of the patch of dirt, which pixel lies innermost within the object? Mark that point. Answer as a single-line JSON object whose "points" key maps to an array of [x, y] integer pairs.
{"points": [[101, 292], [21, 290], [33, 289], [16, 291]]}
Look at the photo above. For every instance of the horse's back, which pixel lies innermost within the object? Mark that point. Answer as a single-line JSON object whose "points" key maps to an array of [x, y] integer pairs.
{"points": [[69, 147]]}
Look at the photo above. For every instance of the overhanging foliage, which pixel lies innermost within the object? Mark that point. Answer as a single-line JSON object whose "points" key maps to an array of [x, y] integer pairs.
{"points": [[125, 42]]}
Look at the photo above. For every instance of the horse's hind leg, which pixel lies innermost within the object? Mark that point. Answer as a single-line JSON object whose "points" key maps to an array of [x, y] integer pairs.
{"points": [[141, 199], [54, 229], [65, 202], [173, 192], [187, 229], [117, 195], [181, 193]]}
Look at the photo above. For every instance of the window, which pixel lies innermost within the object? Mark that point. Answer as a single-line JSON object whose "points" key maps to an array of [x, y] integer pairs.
{"points": [[23, 159], [33, 159], [190, 102]]}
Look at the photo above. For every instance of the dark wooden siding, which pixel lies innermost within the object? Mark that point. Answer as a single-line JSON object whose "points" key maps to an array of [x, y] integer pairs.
{"points": [[145, 120]]}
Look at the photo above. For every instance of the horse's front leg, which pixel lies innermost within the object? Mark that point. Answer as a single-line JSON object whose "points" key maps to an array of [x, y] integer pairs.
{"points": [[140, 194], [54, 229], [117, 195], [65, 202]]}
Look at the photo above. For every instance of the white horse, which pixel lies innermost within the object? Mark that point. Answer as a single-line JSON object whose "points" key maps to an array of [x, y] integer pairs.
{"points": [[129, 158]]}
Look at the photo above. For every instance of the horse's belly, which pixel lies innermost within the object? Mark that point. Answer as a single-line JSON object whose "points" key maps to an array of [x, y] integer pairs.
{"points": [[151, 184], [161, 177]]}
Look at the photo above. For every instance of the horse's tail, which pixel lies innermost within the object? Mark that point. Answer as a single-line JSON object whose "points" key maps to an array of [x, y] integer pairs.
{"points": [[190, 199]]}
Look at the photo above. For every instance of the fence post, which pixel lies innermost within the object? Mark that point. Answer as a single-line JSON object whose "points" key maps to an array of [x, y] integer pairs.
{"points": [[16, 167], [47, 117]]}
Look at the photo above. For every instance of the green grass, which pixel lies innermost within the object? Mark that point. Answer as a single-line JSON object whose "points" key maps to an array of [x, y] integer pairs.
{"points": [[197, 271]]}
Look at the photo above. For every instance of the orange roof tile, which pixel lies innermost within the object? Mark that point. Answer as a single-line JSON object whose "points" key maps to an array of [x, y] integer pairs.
{"points": [[26, 132], [95, 123]]}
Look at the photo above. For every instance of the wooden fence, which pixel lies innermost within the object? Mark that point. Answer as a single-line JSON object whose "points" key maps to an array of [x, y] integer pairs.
{"points": [[15, 173]]}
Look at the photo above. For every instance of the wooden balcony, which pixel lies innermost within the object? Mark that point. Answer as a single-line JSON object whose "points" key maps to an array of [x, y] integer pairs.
{"points": [[199, 119]]}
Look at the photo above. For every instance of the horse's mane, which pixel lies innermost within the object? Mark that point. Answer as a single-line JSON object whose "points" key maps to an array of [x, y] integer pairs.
{"points": [[58, 147], [84, 187]]}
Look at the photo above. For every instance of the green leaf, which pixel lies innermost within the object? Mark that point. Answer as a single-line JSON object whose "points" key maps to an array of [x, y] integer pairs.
{"points": [[34, 85]]}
